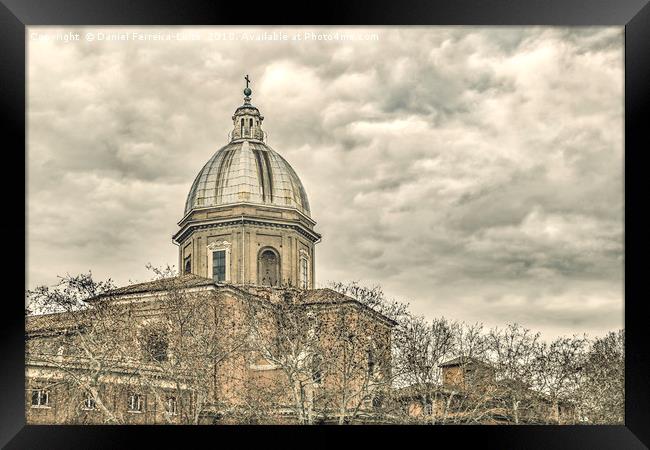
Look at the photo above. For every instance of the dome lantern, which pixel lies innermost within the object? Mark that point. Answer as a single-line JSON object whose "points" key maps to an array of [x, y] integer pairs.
{"points": [[247, 120]]}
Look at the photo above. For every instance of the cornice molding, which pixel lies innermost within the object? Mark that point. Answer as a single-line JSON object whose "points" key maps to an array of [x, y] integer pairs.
{"points": [[254, 205], [190, 227]]}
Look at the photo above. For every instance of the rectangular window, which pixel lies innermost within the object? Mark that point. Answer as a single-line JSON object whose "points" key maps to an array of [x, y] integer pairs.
{"points": [[371, 363], [89, 402], [170, 406], [316, 369], [40, 398], [219, 265], [136, 403], [304, 273]]}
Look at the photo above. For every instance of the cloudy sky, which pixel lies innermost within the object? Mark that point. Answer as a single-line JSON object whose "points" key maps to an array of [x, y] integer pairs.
{"points": [[474, 172]]}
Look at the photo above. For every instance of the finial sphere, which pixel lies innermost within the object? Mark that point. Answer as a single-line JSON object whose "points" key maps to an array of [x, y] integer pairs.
{"points": [[247, 91]]}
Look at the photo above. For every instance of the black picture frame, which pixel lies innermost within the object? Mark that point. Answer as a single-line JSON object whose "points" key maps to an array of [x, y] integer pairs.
{"points": [[634, 15]]}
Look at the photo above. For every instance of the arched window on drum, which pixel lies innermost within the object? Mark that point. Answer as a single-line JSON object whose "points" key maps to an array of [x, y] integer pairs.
{"points": [[268, 263]]}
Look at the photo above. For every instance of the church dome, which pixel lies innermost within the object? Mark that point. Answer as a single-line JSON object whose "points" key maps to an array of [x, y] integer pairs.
{"points": [[247, 170]]}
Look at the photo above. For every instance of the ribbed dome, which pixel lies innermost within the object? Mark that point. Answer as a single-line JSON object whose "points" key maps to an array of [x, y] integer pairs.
{"points": [[247, 171]]}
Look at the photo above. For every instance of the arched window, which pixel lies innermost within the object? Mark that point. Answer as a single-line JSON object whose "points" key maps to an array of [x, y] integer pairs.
{"points": [[241, 132], [188, 265], [268, 263]]}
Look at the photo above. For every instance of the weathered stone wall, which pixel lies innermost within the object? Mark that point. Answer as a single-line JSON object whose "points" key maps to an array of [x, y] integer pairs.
{"points": [[66, 400]]}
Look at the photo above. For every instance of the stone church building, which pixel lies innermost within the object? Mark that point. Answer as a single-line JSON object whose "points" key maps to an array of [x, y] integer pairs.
{"points": [[240, 335]]}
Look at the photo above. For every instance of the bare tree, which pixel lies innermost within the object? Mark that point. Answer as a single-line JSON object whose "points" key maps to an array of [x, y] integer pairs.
{"points": [[420, 348], [368, 360], [81, 342], [374, 298], [513, 351], [556, 376], [358, 364], [282, 334], [601, 394]]}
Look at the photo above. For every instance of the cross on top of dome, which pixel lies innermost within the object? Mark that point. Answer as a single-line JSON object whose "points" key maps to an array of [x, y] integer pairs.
{"points": [[247, 90]]}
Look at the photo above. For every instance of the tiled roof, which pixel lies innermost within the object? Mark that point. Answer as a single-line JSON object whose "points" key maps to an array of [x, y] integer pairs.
{"points": [[331, 296], [182, 281], [53, 321], [325, 295], [308, 297]]}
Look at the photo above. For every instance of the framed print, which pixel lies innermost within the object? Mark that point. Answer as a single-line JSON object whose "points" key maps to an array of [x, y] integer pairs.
{"points": [[419, 219]]}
